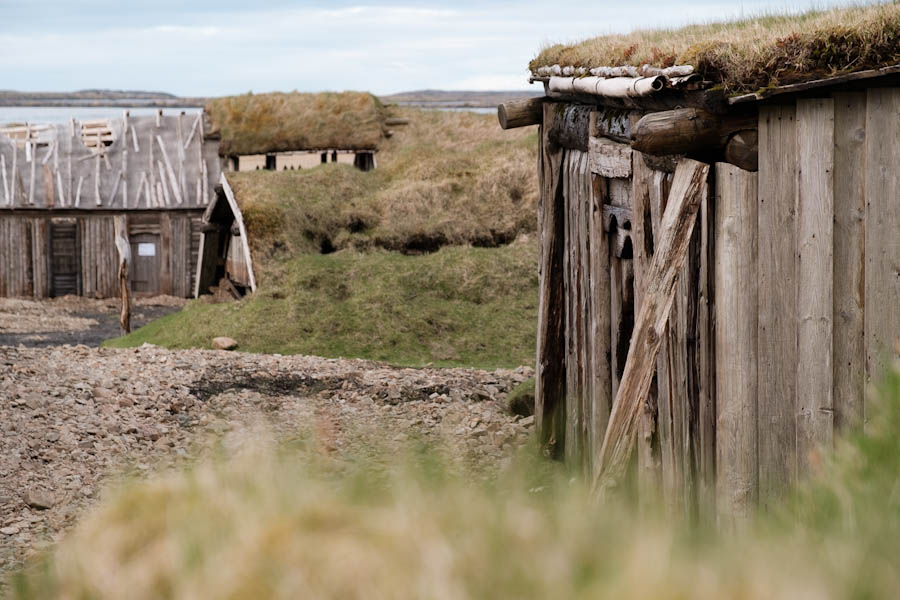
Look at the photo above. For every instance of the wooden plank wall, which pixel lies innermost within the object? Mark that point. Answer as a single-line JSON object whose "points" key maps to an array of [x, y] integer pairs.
{"points": [[829, 259], [882, 242], [24, 257], [785, 312], [99, 262]]}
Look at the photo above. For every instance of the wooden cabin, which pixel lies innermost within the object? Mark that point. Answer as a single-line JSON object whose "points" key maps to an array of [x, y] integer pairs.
{"points": [[720, 258], [283, 131], [63, 185]]}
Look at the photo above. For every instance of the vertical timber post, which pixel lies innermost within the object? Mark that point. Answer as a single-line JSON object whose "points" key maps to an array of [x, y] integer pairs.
{"points": [[550, 376]]}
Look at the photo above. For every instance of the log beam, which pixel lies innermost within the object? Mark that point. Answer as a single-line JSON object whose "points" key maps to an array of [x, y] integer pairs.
{"points": [[521, 113], [571, 126], [687, 131], [742, 150]]}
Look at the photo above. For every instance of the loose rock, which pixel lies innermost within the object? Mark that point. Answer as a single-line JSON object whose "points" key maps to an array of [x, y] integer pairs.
{"points": [[224, 343]]}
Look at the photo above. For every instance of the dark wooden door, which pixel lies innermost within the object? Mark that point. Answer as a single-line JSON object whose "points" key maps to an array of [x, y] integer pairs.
{"points": [[65, 259], [145, 263]]}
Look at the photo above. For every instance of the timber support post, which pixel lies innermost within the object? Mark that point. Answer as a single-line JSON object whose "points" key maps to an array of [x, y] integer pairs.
{"points": [[124, 249]]}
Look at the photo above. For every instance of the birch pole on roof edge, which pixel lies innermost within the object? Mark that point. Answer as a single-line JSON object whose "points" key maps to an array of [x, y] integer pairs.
{"points": [[677, 224]]}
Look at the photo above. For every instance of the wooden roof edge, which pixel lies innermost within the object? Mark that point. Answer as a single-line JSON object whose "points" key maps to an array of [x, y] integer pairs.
{"points": [[794, 88]]}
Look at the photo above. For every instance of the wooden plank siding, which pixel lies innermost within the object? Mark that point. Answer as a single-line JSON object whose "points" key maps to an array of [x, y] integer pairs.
{"points": [[736, 337], [31, 261], [882, 224], [783, 315], [815, 279], [777, 286], [849, 259]]}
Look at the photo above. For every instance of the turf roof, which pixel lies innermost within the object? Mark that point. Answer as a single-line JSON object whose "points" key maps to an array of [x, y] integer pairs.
{"points": [[280, 122], [755, 53]]}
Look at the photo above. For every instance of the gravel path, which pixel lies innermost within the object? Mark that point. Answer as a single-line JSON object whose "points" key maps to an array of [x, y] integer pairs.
{"points": [[73, 417], [73, 319]]}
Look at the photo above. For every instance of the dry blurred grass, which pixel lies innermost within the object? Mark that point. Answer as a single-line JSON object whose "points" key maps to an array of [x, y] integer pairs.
{"points": [[260, 123], [752, 53], [448, 178], [295, 524]]}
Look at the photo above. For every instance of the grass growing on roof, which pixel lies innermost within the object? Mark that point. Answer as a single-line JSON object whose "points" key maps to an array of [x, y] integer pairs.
{"points": [[260, 123], [296, 524], [458, 306], [754, 53]]}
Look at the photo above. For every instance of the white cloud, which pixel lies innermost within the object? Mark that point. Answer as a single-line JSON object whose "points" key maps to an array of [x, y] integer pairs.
{"points": [[214, 50]]}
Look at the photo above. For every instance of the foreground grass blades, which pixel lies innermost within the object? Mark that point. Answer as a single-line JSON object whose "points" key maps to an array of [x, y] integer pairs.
{"points": [[292, 523]]}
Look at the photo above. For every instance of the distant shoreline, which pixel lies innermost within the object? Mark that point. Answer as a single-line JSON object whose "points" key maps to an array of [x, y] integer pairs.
{"points": [[136, 99]]}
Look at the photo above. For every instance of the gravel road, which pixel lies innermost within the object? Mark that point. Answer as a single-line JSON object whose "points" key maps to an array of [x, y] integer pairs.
{"points": [[74, 418], [74, 320]]}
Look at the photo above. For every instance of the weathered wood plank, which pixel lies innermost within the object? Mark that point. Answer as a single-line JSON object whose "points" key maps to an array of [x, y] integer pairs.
{"points": [[574, 310], [849, 259], [670, 483], [677, 225], [882, 316], [601, 388], [815, 279], [777, 285], [736, 342], [550, 368], [649, 467], [706, 365], [609, 158], [585, 197], [165, 253]]}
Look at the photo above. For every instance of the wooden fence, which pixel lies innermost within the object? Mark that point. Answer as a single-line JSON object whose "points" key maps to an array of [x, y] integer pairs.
{"points": [[27, 256]]}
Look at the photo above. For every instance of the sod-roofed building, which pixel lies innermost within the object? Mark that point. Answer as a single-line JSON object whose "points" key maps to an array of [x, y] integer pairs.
{"points": [[62, 186], [279, 131], [720, 250]]}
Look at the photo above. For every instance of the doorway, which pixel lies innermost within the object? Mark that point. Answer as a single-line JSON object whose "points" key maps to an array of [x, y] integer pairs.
{"points": [[65, 258], [145, 262]]}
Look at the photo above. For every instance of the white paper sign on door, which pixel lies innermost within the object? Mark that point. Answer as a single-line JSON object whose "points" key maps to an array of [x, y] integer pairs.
{"points": [[147, 249]]}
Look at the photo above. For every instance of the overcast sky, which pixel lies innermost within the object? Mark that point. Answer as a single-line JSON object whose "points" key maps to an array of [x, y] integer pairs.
{"points": [[205, 47]]}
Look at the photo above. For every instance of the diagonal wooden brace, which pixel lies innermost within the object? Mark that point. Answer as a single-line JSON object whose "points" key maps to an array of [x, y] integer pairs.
{"points": [[685, 196]]}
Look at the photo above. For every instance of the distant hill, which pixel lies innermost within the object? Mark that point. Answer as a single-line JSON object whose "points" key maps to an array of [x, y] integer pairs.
{"points": [[126, 98], [96, 98], [457, 99]]}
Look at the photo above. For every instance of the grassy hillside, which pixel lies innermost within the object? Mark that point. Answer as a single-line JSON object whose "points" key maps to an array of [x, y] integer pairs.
{"points": [[301, 525], [431, 258], [448, 178], [458, 306]]}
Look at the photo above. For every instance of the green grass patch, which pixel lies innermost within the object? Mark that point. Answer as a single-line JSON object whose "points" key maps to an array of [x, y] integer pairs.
{"points": [[457, 306]]}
